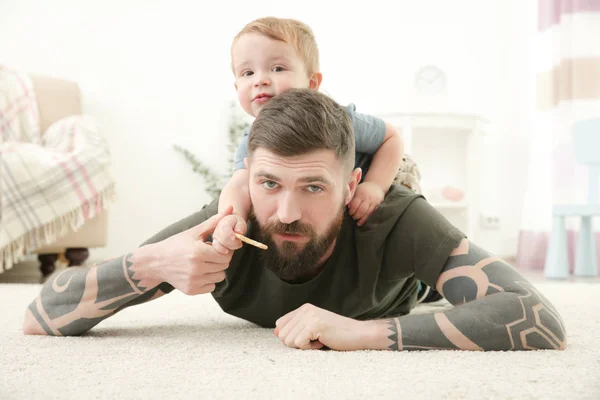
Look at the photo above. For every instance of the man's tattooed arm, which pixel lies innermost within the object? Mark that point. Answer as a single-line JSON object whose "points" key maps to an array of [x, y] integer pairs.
{"points": [[79, 298], [495, 309]]}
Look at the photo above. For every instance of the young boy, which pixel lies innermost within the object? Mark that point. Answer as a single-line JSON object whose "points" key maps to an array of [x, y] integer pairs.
{"points": [[269, 56]]}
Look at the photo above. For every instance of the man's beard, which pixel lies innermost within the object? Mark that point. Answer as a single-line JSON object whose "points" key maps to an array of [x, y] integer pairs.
{"points": [[288, 262]]}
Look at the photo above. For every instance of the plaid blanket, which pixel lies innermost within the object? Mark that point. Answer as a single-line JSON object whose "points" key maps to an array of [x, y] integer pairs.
{"points": [[50, 183]]}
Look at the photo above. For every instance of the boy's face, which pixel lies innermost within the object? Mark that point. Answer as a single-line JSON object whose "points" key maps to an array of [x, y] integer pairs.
{"points": [[264, 68]]}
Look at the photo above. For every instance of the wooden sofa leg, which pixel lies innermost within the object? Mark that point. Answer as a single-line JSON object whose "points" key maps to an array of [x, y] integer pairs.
{"points": [[47, 264], [77, 256]]}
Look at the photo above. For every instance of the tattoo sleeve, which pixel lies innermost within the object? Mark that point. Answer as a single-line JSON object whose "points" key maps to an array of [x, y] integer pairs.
{"points": [[77, 299], [495, 309]]}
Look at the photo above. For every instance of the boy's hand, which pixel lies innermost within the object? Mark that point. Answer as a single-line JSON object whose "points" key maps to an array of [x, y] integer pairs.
{"points": [[224, 239], [367, 198]]}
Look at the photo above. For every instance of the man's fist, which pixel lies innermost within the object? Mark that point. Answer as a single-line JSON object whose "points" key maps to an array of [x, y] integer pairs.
{"points": [[187, 261], [310, 327]]}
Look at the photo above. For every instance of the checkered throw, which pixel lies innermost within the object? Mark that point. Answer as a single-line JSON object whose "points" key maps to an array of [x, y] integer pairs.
{"points": [[50, 183]]}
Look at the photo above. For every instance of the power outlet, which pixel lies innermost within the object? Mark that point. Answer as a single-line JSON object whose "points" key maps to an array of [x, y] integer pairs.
{"points": [[489, 222]]}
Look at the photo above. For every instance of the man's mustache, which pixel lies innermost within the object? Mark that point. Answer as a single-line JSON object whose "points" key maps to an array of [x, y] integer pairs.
{"points": [[295, 228]]}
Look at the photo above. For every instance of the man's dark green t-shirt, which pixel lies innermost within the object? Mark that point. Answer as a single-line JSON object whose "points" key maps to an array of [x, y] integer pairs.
{"points": [[373, 271]]}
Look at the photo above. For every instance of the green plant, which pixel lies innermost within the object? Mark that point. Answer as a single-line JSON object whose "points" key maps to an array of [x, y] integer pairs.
{"points": [[215, 181]]}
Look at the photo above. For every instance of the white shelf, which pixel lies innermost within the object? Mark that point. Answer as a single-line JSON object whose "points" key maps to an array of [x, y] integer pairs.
{"points": [[464, 122], [459, 205], [448, 150]]}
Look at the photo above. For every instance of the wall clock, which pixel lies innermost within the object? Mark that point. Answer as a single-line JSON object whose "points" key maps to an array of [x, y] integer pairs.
{"points": [[430, 80]]}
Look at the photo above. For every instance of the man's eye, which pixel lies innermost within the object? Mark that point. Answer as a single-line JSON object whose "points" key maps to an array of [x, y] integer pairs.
{"points": [[269, 184], [278, 69], [247, 73], [314, 189]]}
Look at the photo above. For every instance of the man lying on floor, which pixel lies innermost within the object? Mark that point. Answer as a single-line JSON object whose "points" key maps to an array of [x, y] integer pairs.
{"points": [[323, 281]]}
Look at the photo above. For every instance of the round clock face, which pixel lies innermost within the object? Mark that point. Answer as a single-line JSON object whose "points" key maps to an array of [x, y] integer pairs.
{"points": [[430, 80]]}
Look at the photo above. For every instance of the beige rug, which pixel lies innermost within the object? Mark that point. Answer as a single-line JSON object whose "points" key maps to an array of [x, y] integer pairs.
{"points": [[181, 347]]}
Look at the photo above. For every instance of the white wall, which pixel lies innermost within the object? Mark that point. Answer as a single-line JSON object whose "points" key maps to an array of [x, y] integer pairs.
{"points": [[156, 73]]}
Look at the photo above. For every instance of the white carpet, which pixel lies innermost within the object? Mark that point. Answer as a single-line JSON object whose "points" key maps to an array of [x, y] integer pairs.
{"points": [[186, 347]]}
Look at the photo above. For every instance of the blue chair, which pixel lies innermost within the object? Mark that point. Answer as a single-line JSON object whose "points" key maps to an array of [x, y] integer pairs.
{"points": [[586, 143]]}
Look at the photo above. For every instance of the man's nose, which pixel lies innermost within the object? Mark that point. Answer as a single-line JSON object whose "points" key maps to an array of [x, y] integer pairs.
{"points": [[289, 209], [261, 79]]}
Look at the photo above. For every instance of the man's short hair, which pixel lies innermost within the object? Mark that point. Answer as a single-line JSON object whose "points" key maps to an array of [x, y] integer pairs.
{"points": [[300, 121], [291, 31]]}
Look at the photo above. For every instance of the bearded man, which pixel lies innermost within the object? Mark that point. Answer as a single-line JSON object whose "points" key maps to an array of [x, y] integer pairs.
{"points": [[324, 281]]}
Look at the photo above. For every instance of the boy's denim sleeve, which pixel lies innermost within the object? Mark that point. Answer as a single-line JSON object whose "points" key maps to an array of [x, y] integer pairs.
{"points": [[242, 152], [369, 131]]}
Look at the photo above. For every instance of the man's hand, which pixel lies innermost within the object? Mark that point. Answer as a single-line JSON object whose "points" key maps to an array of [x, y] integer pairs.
{"points": [[224, 240], [311, 327], [367, 198], [495, 308], [186, 260], [77, 299]]}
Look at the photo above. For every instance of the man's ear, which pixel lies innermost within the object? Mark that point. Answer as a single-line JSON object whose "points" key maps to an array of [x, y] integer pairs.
{"points": [[315, 81], [352, 184]]}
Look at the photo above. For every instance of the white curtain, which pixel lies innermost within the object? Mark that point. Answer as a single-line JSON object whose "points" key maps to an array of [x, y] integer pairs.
{"points": [[567, 77]]}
